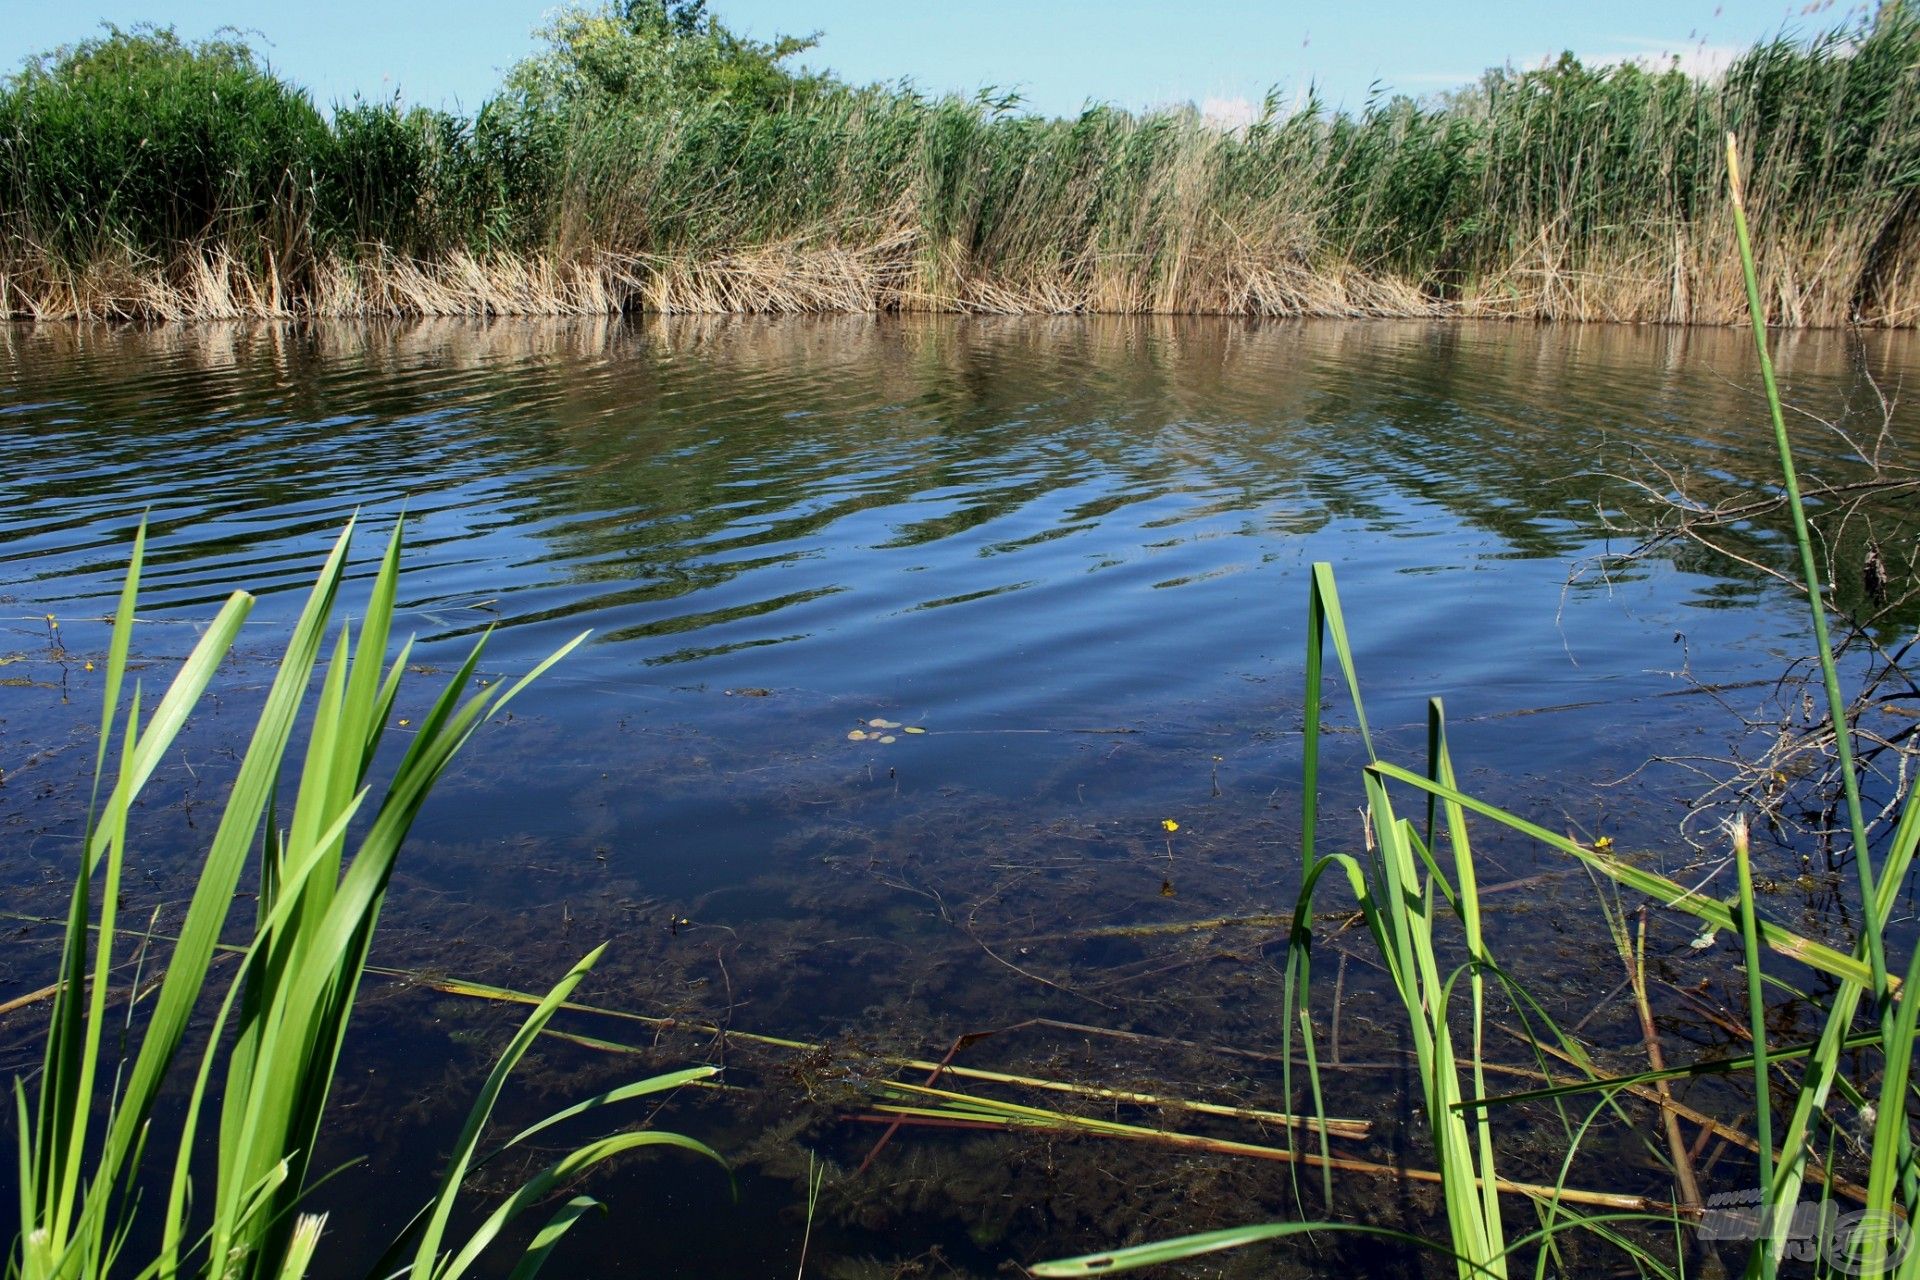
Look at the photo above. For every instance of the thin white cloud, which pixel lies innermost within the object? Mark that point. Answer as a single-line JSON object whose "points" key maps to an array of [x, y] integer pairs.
{"points": [[1436, 79], [1700, 60], [1229, 113]]}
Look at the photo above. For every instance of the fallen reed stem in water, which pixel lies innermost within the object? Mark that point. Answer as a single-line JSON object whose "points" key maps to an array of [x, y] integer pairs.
{"points": [[1666, 1102], [1335, 1127], [1636, 960], [1058, 1122], [1162, 928], [34, 997]]}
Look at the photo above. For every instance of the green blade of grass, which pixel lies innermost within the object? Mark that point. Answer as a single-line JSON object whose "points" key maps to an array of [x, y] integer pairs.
{"points": [[1198, 1245], [427, 1256], [558, 1174], [213, 894], [548, 1238], [1757, 1028], [1667, 892], [1809, 571]]}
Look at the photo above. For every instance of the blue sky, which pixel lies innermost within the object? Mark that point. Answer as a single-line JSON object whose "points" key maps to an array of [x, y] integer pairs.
{"points": [[1224, 54]]}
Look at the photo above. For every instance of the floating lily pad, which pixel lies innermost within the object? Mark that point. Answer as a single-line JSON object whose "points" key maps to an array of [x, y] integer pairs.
{"points": [[887, 737], [913, 728], [878, 723], [857, 735]]}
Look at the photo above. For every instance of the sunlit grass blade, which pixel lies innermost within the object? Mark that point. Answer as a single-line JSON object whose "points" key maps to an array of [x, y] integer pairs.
{"points": [[623, 1093], [558, 1174], [76, 1224], [1757, 1028], [429, 1261], [214, 891], [1712, 1067], [1181, 1248], [1667, 892], [1892, 1174], [301, 1245], [548, 1238], [1468, 907]]}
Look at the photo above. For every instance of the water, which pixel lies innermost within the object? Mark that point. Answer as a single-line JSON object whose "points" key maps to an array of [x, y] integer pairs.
{"points": [[1074, 552]]}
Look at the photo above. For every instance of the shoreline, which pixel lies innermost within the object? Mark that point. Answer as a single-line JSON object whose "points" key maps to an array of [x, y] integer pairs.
{"points": [[783, 280]]}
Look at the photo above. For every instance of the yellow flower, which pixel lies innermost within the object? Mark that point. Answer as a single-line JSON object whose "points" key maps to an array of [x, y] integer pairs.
{"points": [[1169, 825], [89, 666], [404, 722], [1603, 844]]}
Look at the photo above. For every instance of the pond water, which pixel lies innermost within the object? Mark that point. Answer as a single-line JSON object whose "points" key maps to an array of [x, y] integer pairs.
{"points": [[1063, 563]]}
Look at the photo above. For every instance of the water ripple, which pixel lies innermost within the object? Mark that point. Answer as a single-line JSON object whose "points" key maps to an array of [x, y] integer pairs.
{"points": [[898, 503]]}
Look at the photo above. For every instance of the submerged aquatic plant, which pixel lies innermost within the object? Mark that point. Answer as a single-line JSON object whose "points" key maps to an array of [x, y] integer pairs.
{"points": [[257, 1086]]}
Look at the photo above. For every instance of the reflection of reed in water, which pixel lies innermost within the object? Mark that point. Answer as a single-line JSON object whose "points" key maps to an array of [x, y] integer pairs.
{"points": [[675, 453]]}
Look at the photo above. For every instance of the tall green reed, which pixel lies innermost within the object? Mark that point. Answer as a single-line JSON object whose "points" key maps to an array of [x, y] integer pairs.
{"points": [[1893, 1178], [260, 1077]]}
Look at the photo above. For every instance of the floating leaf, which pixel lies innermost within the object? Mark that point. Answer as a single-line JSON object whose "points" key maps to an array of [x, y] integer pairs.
{"points": [[857, 735], [887, 737], [1166, 889], [913, 728], [878, 723]]}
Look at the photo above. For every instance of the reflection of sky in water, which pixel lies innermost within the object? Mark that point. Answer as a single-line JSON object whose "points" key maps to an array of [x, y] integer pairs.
{"points": [[1009, 517], [1005, 530], [1074, 551]]}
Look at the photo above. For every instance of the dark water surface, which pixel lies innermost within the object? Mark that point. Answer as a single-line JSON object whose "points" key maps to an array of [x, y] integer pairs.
{"points": [[1074, 552]]}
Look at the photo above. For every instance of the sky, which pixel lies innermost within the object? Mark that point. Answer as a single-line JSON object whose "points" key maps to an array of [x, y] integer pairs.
{"points": [[1223, 56]]}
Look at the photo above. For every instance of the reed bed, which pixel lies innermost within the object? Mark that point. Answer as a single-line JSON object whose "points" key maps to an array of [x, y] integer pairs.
{"points": [[141, 176]]}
